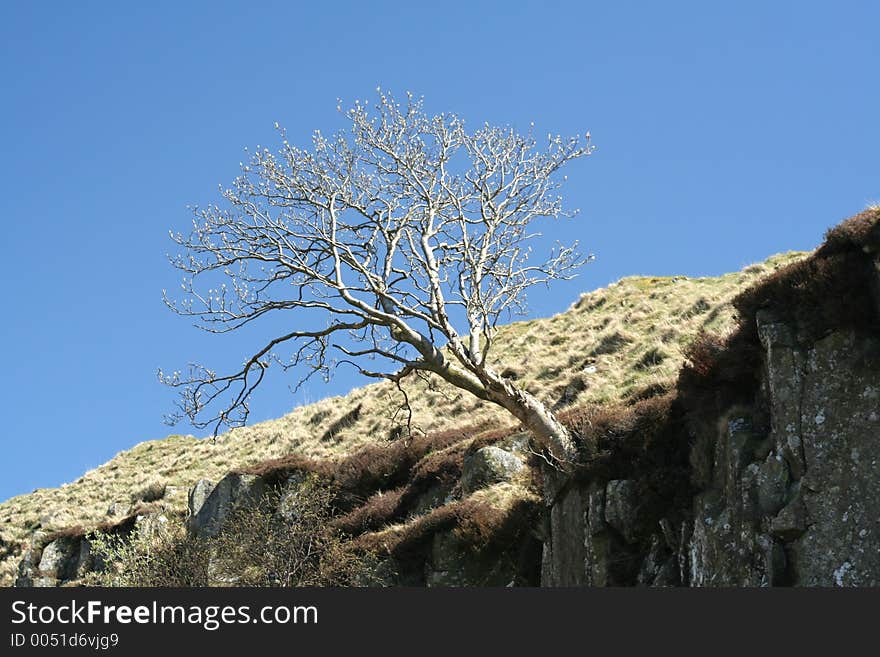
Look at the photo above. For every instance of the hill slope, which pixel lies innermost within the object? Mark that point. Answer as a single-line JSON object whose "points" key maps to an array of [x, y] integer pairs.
{"points": [[620, 343]]}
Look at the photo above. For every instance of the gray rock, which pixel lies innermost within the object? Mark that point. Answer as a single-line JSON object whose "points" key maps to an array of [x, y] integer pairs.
{"points": [[584, 549], [659, 567], [231, 492], [517, 443], [198, 494], [724, 552], [390, 572], [840, 431], [62, 560], [151, 524], [596, 509], [735, 451], [28, 566], [784, 372], [796, 505], [790, 522], [487, 466], [564, 560], [90, 560], [601, 553], [669, 534], [772, 485], [775, 561], [622, 508]]}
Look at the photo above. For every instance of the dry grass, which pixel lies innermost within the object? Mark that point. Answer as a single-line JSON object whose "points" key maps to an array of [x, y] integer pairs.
{"points": [[625, 343]]}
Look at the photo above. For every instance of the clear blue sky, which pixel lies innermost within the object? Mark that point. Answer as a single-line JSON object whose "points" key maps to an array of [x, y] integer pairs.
{"points": [[725, 132]]}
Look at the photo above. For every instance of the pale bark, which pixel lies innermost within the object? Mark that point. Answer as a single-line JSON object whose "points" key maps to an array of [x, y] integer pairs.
{"points": [[394, 232]]}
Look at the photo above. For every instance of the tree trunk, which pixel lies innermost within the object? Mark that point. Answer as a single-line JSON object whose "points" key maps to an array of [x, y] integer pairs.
{"points": [[485, 383], [536, 417]]}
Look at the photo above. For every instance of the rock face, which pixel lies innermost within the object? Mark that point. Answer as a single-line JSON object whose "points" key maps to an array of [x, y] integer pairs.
{"points": [[836, 497], [800, 506], [594, 543], [210, 505], [65, 559], [198, 495], [792, 501], [52, 561], [784, 492], [759, 469]]}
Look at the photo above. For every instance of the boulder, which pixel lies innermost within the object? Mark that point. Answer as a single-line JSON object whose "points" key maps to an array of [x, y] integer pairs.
{"points": [[54, 562], [64, 559], [231, 492], [487, 466], [198, 494]]}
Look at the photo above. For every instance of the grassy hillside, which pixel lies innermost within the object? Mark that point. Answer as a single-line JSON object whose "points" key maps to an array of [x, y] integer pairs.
{"points": [[620, 343]]}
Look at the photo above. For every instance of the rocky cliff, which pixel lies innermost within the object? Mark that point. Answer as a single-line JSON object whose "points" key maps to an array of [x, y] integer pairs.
{"points": [[762, 468], [758, 467]]}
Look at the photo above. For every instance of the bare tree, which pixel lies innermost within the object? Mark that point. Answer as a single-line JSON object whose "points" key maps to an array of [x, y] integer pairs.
{"points": [[395, 231]]}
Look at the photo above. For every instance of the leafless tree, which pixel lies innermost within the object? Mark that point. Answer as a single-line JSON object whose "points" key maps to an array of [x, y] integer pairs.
{"points": [[396, 230]]}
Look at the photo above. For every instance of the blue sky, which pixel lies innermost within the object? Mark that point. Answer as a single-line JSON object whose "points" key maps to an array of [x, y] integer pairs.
{"points": [[725, 132]]}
